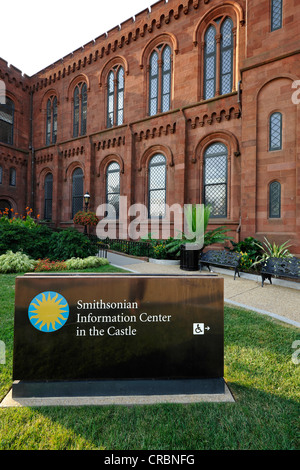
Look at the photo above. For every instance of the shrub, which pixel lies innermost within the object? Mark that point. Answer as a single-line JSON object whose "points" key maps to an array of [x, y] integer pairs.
{"points": [[16, 263], [70, 244], [249, 245], [89, 262], [33, 240]]}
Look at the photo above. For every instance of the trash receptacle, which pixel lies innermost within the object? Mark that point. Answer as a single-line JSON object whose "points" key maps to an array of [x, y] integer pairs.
{"points": [[189, 258]]}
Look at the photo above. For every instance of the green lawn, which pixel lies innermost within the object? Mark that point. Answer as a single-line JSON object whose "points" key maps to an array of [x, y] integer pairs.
{"points": [[258, 369]]}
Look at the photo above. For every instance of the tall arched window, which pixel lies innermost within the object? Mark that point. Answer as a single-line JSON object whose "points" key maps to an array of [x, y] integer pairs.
{"points": [[160, 79], [275, 200], [113, 186], [77, 191], [12, 177], [1, 174], [210, 63], [80, 110], [51, 121], [215, 179], [226, 68], [115, 96], [275, 131], [48, 196], [157, 186], [7, 112], [276, 14], [218, 58]]}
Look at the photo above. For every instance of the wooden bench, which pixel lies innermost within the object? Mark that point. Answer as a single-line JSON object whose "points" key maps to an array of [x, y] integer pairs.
{"points": [[280, 267], [221, 258]]}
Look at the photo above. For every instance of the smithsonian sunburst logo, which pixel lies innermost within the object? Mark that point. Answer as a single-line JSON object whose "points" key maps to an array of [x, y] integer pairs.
{"points": [[48, 312]]}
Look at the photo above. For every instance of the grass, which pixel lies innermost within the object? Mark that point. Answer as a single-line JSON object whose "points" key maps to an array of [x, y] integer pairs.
{"points": [[258, 369]]}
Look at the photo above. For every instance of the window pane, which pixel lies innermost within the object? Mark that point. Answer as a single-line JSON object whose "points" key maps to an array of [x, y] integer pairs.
{"points": [[227, 57], [215, 179], [113, 186], [1, 174], [276, 131], [48, 123], [110, 99], [76, 113], [153, 92], [12, 177], [120, 97], [7, 122], [275, 200], [48, 197], [54, 124], [157, 186], [276, 14], [83, 108], [77, 194], [210, 63]]}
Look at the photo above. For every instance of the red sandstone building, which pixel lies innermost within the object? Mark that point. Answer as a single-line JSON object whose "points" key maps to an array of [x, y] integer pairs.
{"points": [[189, 102]]}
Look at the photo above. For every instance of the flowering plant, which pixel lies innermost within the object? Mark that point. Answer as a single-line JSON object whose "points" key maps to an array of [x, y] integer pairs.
{"points": [[11, 217], [85, 218]]}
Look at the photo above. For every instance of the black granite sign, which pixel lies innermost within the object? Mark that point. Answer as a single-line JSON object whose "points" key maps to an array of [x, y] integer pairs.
{"points": [[95, 327]]}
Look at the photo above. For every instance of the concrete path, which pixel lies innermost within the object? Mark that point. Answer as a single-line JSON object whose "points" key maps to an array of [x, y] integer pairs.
{"points": [[280, 300]]}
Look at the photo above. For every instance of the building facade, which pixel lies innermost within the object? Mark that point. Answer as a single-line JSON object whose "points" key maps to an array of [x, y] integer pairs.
{"points": [[187, 102]]}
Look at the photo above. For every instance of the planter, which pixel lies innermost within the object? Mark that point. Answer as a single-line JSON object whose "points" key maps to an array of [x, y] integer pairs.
{"points": [[172, 262], [189, 258]]}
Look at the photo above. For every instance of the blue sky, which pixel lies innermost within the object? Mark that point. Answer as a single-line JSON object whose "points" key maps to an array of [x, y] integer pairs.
{"points": [[33, 34]]}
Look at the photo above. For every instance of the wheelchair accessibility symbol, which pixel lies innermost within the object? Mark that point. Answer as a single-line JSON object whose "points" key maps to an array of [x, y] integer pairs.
{"points": [[200, 328]]}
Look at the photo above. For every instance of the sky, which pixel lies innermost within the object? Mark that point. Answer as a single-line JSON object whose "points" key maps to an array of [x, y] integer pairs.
{"points": [[34, 34]]}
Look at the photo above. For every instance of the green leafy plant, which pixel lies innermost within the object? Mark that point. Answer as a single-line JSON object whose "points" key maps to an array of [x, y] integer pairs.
{"points": [[70, 243], [89, 262], [249, 245], [272, 250], [18, 262], [34, 241], [197, 221]]}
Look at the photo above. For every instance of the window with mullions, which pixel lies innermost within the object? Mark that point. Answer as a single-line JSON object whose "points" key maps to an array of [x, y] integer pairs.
{"points": [[275, 200], [115, 97], [77, 191], [48, 196], [275, 131], [218, 74], [226, 75], [160, 79], [7, 112], [276, 14], [157, 186], [12, 177], [113, 186], [51, 121], [80, 110], [215, 179]]}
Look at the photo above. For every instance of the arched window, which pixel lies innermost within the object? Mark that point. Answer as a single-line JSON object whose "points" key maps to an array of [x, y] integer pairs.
{"points": [[276, 14], [77, 191], [218, 58], [275, 200], [210, 63], [275, 131], [157, 186], [80, 110], [160, 79], [115, 96], [226, 68], [51, 121], [215, 179], [7, 112], [1, 174], [12, 177], [113, 186], [48, 196]]}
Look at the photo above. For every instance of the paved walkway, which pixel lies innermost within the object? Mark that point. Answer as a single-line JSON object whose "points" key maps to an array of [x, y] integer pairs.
{"points": [[281, 300]]}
